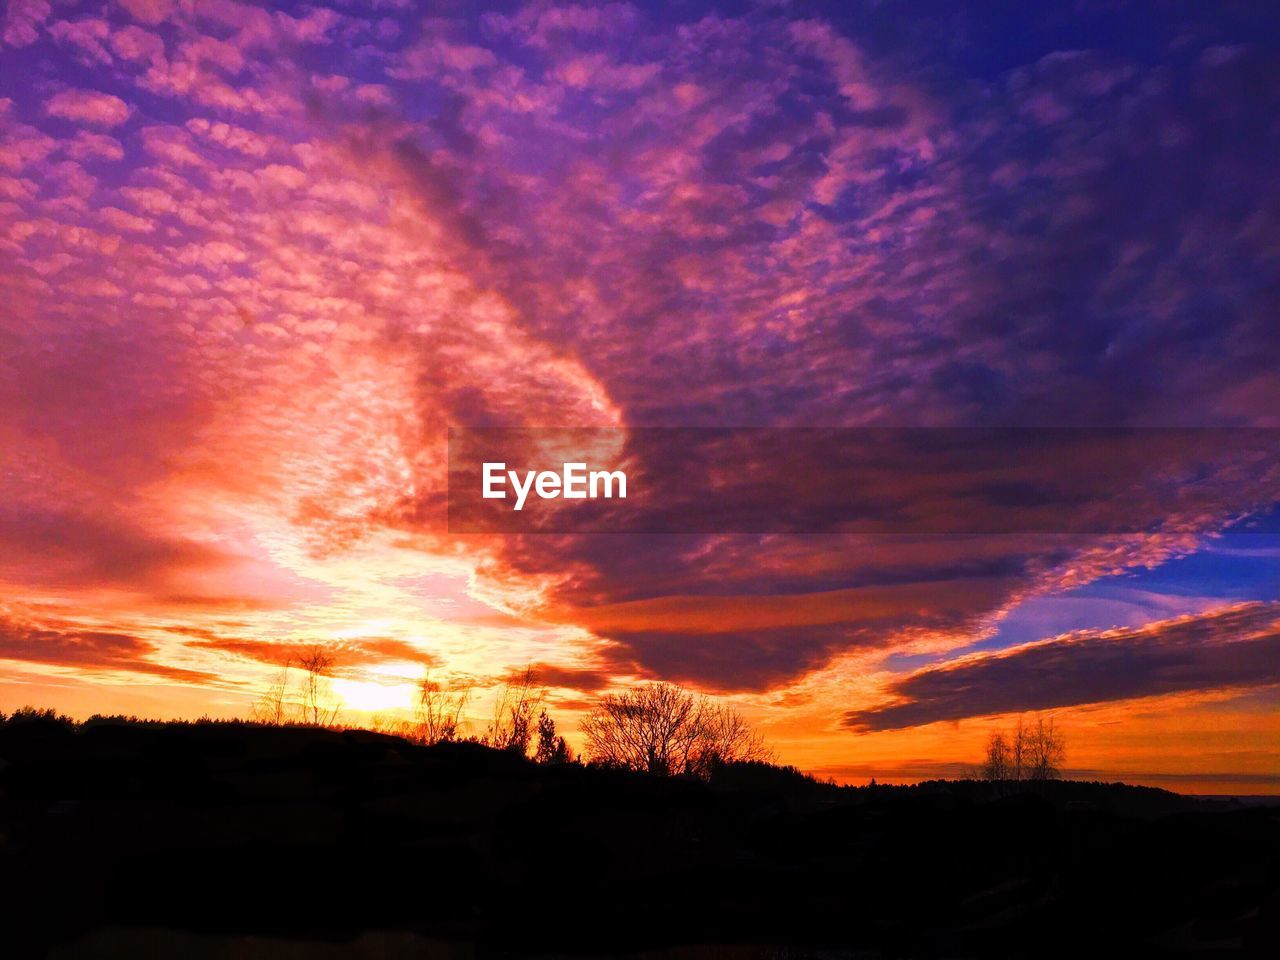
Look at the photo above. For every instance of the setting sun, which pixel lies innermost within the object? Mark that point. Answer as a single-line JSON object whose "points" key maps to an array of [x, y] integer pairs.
{"points": [[373, 696]]}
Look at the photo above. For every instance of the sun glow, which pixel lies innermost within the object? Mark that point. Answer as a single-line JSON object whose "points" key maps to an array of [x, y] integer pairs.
{"points": [[370, 695]]}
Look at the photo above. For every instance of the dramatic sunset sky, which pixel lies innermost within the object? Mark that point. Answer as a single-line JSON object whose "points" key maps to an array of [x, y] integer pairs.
{"points": [[255, 262]]}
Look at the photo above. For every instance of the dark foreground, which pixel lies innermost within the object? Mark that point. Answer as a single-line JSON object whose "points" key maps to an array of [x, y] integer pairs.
{"points": [[222, 840]]}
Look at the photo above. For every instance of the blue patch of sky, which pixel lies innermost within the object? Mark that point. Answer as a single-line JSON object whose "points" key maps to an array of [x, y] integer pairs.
{"points": [[1243, 564]]}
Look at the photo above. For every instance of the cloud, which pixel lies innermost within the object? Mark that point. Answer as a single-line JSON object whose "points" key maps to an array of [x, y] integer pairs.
{"points": [[133, 44], [87, 146], [121, 220], [585, 679], [348, 653], [229, 136], [905, 482], [88, 35], [48, 546], [22, 20], [1237, 646], [230, 375], [149, 11], [88, 106], [89, 650]]}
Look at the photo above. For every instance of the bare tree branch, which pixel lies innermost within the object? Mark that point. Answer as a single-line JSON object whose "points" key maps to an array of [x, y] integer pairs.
{"points": [[663, 729]]}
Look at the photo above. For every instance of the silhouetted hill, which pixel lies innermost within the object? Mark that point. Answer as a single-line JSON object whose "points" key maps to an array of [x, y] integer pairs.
{"points": [[219, 839]]}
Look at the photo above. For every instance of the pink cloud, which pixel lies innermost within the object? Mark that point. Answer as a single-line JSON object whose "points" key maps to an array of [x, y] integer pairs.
{"points": [[540, 26], [22, 21], [598, 73], [436, 54], [375, 94], [22, 146], [12, 188], [94, 146], [173, 145], [149, 11], [135, 44], [221, 53], [230, 136], [151, 199], [88, 36], [88, 106], [313, 28], [121, 220]]}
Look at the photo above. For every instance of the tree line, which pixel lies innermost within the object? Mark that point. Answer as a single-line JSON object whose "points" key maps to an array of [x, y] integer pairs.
{"points": [[657, 728]]}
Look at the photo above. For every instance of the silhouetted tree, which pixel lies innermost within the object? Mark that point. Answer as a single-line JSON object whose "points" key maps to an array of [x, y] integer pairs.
{"points": [[724, 737], [515, 706], [663, 729], [1018, 751], [652, 728], [1027, 753], [318, 707], [551, 748], [997, 765], [45, 715], [273, 706], [1046, 751], [439, 711]]}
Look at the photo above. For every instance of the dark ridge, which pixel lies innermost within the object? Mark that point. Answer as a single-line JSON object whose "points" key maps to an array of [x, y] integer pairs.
{"points": [[127, 838]]}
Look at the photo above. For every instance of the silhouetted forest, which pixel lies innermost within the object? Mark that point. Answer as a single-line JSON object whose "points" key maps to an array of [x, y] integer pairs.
{"points": [[133, 839]]}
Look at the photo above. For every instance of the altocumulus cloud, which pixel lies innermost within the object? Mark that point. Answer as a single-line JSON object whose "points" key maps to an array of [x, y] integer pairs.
{"points": [[88, 106]]}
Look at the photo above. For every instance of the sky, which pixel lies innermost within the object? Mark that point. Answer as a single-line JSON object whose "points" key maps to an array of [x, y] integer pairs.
{"points": [[255, 261]]}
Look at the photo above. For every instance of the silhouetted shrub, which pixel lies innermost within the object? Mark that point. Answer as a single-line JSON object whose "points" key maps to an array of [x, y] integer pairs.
{"points": [[551, 748]]}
